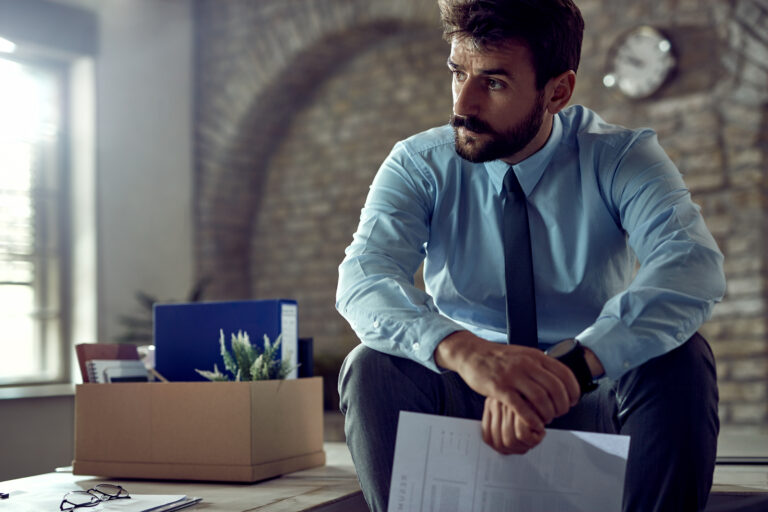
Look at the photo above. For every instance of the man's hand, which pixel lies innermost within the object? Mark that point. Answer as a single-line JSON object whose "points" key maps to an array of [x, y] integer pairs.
{"points": [[505, 432], [534, 387]]}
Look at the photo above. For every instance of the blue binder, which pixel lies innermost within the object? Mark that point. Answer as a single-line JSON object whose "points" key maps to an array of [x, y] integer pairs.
{"points": [[187, 335]]}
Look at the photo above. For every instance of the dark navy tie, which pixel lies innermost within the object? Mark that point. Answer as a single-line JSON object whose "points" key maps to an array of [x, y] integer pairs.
{"points": [[518, 267]]}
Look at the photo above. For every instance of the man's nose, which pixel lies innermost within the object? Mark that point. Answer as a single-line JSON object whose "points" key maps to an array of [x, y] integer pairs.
{"points": [[465, 99]]}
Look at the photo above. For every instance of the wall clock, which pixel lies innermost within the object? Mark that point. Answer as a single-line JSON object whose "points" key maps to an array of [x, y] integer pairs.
{"points": [[640, 62]]}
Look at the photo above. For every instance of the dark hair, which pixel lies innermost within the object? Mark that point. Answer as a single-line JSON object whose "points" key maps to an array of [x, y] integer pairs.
{"points": [[551, 29]]}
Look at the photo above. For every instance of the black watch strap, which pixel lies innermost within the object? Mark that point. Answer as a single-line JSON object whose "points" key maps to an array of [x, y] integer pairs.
{"points": [[571, 353]]}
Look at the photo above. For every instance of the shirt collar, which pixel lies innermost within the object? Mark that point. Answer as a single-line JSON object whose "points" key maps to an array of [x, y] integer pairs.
{"points": [[530, 170]]}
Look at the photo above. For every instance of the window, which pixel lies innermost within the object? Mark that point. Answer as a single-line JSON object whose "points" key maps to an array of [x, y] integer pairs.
{"points": [[33, 222]]}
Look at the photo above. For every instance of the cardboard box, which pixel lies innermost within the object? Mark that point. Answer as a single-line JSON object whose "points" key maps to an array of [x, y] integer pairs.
{"points": [[223, 431]]}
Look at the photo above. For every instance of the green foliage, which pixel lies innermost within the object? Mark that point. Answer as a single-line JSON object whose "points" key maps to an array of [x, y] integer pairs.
{"points": [[246, 362], [229, 362], [215, 375]]}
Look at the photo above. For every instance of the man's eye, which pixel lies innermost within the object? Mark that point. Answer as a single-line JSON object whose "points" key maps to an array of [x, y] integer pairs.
{"points": [[495, 84], [460, 76]]}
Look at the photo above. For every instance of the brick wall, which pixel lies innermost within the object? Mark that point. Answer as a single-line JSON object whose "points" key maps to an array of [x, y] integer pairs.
{"points": [[319, 174], [711, 120], [300, 100]]}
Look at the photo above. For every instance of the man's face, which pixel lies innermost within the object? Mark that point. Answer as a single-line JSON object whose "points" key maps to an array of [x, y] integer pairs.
{"points": [[497, 111]]}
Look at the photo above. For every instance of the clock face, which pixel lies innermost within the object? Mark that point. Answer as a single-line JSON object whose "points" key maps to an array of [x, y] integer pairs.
{"points": [[640, 62]]}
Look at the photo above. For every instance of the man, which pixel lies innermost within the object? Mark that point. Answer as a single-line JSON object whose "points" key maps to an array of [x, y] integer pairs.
{"points": [[591, 199]]}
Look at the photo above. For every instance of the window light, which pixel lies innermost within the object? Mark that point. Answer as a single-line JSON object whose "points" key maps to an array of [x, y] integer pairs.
{"points": [[7, 46]]}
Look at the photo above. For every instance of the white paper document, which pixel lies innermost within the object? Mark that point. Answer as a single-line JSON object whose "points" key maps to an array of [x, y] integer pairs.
{"points": [[443, 465]]}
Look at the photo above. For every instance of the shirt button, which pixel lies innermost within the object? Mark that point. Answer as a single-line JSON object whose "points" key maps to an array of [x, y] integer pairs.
{"points": [[416, 347], [680, 336], [626, 364], [376, 324]]}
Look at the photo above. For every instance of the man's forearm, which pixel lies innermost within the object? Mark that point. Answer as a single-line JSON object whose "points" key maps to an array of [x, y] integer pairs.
{"points": [[595, 366], [456, 346], [454, 349]]}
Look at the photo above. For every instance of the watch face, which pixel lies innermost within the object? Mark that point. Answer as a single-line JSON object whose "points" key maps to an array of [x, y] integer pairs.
{"points": [[640, 62], [561, 348]]}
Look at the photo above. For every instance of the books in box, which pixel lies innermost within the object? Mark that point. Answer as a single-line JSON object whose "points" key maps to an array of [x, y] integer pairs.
{"points": [[187, 335]]}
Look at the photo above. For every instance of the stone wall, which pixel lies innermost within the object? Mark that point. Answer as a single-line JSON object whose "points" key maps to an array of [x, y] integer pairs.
{"points": [[319, 174], [299, 101], [711, 120]]}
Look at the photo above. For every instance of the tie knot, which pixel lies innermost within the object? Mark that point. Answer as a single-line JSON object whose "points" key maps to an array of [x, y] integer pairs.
{"points": [[512, 184]]}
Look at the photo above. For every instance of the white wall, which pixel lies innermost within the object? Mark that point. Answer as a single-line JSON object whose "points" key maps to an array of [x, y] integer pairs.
{"points": [[144, 181], [36, 435], [144, 154]]}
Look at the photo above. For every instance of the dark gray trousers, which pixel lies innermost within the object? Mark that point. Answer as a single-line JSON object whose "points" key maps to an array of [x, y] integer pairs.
{"points": [[668, 406]]}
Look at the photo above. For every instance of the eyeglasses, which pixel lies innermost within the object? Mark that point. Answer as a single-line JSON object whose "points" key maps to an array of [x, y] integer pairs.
{"points": [[92, 497]]}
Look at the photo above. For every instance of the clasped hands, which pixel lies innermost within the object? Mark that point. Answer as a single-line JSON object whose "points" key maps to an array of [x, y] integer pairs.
{"points": [[524, 388]]}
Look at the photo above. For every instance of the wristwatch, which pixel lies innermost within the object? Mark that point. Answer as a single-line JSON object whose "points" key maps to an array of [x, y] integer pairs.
{"points": [[571, 353]]}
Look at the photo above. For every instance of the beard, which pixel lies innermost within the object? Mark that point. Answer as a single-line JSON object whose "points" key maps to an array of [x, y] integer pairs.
{"points": [[499, 144]]}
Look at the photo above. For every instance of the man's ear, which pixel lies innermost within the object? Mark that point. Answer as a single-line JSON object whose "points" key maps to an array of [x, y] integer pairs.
{"points": [[559, 90]]}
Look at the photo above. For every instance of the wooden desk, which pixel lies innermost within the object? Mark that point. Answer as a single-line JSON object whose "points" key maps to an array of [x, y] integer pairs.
{"points": [[740, 487], [332, 488]]}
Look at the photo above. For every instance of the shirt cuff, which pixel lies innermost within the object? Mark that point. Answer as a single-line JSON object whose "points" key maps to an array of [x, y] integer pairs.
{"points": [[437, 328], [612, 343]]}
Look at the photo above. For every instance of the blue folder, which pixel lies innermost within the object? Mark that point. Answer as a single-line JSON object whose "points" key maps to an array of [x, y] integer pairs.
{"points": [[187, 335]]}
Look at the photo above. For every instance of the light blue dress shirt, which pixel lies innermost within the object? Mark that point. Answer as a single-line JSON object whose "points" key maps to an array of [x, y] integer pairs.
{"points": [[600, 198]]}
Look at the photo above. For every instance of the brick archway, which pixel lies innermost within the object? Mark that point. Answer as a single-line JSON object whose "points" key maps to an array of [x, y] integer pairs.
{"points": [[318, 177], [257, 62]]}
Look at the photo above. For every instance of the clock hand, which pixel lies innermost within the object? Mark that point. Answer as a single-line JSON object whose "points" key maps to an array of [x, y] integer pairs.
{"points": [[634, 61]]}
